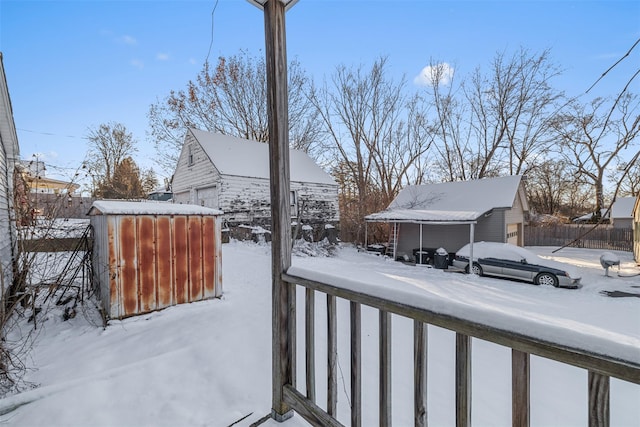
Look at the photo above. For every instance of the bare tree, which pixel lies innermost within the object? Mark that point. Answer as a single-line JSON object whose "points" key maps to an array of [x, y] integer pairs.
{"points": [[231, 99], [376, 135], [451, 136], [491, 123], [594, 139], [549, 186], [109, 144], [627, 174], [511, 109]]}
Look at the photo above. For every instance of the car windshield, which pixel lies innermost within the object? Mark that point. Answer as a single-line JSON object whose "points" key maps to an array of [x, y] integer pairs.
{"points": [[499, 251]]}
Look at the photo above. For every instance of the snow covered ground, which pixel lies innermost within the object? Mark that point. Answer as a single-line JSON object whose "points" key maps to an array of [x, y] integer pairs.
{"points": [[209, 363]]}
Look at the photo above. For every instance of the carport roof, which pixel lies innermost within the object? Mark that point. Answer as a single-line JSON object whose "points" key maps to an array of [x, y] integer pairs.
{"points": [[451, 202], [422, 215]]}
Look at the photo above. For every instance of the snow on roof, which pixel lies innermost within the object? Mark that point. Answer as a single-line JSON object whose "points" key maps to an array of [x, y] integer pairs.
{"points": [[410, 215], [241, 157], [623, 207], [451, 201], [122, 207]]}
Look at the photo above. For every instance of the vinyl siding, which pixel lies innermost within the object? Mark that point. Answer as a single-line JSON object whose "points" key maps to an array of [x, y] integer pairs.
{"points": [[9, 153], [5, 223]]}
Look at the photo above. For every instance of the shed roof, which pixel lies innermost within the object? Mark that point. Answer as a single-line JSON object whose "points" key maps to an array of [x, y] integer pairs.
{"points": [[241, 157], [623, 207], [124, 207], [461, 201]]}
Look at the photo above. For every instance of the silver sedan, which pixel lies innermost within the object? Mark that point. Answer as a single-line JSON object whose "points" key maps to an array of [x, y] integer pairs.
{"points": [[514, 262]]}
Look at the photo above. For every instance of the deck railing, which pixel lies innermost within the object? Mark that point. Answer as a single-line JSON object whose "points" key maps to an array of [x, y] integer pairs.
{"points": [[600, 367]]}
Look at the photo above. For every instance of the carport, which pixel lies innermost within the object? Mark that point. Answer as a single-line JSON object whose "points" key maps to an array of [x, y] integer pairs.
{"points": [[454, 214], [396, 217]]}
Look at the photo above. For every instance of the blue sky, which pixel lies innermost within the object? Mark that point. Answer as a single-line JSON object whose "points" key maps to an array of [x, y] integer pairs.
{"points": [[72, 65]]}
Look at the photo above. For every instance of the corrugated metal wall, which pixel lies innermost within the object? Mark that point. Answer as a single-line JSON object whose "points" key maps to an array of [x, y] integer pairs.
{"points": [[149, 262]]}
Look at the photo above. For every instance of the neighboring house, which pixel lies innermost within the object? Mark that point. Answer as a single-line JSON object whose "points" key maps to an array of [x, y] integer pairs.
{"points": [[451, 214], [34, 174], [605, 214], [622, 212], [232, 174], [636, 230], [9, 155]]}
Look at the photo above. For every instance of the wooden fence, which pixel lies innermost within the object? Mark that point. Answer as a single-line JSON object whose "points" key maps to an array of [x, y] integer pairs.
{"points": [[580, 236], [600, 366]]}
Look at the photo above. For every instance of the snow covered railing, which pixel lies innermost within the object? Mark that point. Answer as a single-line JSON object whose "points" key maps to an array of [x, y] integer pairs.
{"points": [[602, 357]]}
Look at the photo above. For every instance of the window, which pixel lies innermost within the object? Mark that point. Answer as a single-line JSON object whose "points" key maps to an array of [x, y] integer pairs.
{"points": [[190, 156]]}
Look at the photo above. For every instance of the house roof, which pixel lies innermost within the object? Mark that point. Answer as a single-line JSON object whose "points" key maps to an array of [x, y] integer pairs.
{"points": [[623, 207], [461, 201], [241, 157]]}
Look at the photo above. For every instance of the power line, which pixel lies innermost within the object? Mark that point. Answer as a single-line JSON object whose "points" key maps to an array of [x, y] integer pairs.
{"points": [[51, 134], [211, 42]]}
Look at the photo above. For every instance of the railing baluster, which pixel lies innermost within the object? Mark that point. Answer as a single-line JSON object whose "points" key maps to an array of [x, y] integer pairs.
{"points": [[332, 357], [385, 369], [310, 347], [356, 365], [598, 400], [520, 388], [420, 373], [463, 380], [600, 367]]}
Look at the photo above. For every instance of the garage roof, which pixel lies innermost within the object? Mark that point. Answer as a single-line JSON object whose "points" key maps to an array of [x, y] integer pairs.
{"points": [[461, 201]]}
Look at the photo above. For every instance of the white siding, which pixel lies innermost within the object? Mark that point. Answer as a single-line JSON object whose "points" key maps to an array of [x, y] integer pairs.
{"points": [[5, 223], [245, 199], [9, 153], [189, 178]]}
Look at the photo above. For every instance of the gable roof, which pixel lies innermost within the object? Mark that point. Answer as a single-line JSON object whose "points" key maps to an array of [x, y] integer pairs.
{"points": [[241, 157], [623, 207], [461, 201]]}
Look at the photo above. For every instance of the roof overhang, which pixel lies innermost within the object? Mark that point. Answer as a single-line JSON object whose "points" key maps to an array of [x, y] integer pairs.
{"points": [[427, 216]]}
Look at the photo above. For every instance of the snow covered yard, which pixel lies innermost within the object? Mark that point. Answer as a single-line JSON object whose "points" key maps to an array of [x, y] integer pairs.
{"points": [[209, 363]]}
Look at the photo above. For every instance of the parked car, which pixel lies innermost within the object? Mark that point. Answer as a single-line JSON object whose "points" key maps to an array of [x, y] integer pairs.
{"points": [[513, 262]]}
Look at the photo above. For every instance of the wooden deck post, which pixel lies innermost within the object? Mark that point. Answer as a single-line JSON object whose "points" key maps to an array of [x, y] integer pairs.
{"points": [[283, 294]]}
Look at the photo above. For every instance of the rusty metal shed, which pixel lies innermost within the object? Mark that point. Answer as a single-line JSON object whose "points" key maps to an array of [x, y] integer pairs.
{"points": [[152, 255]]}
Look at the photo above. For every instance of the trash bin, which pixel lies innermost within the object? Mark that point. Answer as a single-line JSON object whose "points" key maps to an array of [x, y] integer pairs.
{"points": [[441, 259], [422, 256]]}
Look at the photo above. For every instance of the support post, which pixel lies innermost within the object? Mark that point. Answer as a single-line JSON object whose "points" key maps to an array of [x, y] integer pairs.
{"points": [[283, 294]]}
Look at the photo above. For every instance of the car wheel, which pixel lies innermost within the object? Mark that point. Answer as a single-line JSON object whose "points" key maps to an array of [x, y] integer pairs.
{"points": [[476, 269], [546, 279]]}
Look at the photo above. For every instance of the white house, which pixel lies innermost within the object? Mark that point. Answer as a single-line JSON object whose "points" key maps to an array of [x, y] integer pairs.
{"points": [[9, 157], [622, 212], [451, 214], [232, 174]]}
